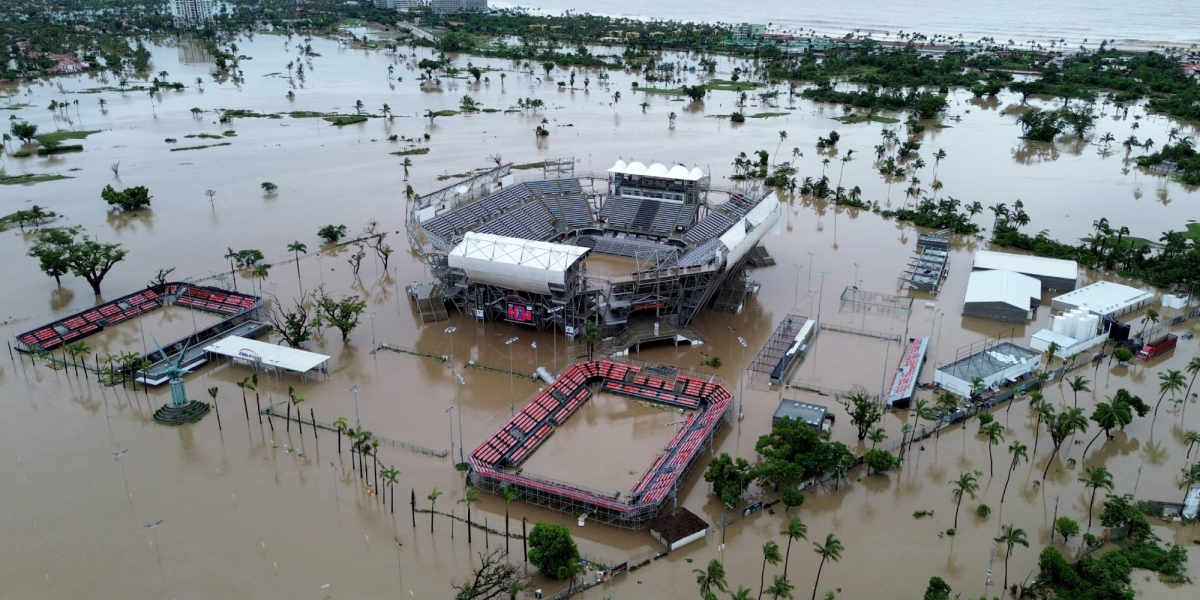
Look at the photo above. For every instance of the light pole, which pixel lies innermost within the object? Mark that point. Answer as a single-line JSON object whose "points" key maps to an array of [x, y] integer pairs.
{"points": [[399, 571], [855, 282], [118, 456], [355, 390], [535, 355], [451, 431], [883, 379], [372, 318], [154, 527], [335, 470], [742, 379], [796, 295], [461, 459], [512, 394], [820, 298], [450, 332], [731, 332], [810, 272], [941, 316]]}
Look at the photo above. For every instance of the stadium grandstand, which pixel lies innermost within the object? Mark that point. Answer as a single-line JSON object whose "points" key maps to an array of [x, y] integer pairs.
{"points": [[559, 249], [706, 400]]}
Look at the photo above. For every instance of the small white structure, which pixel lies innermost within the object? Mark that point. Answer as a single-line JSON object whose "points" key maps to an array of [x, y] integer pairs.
{"points": [[514, 263], [1175, 301], [1056, 275], [266, 356], [677, 527], [1104, 298], [1002, 296]]}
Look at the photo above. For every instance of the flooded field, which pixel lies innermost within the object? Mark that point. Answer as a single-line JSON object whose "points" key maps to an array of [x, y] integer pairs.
{"points": [[257, 509]]}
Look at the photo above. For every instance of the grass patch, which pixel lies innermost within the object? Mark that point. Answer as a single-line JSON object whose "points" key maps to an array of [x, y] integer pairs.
{"points": [[674, 92], [306, 114], [445, 113], [922, 513], [512, 110], [14, 107], [346, 120], [852, 119], [1193, 232], [411, 152], [529, 166], [59, 136], [767, 115], [200, 147], [731, 86], [203, 136], [491, 110], [241, 113], [230, 134], [60, 150], [29, 178], [22, 154]]}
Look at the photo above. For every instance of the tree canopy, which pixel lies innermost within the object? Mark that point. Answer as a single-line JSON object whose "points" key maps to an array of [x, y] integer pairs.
{"points": [[66, 250], [131, 198], [552, 550]]}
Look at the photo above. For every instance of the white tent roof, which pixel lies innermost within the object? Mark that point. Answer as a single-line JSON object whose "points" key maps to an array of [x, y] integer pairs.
{"points": [[280, 357], [526, 265], [1029, 265], [1102, 298], [658, 170], [1008, 287]]}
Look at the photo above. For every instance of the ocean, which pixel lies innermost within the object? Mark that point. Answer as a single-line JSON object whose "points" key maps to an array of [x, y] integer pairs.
{"points": [[1141, 25]]}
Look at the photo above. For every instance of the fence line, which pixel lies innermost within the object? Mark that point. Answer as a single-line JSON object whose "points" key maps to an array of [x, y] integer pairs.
{"points": [[270, 411], [864, 332], [407, 350]]}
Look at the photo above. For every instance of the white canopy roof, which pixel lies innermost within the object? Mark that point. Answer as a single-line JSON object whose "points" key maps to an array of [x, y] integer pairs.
{"points": [[658, 170], [280, 357], [1008, 287], [1029, 265], [526, 265]]}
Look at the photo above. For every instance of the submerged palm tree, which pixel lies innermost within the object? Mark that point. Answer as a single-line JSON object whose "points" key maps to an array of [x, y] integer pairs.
{"points": [[1011, 537], [1079, 384], [781, 588], [965, 484], [1017, 449], [832, 550], [710, 578], [1096, 478], [1171, 381], [296, 248], [794, 530], [433, 496], [470, 497], [770, 555]]}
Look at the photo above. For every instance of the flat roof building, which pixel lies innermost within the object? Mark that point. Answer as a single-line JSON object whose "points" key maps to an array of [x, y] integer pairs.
{"points": [[1055, 274], [1002, 296], [813, 414], [1103, 298], [995, 365]]}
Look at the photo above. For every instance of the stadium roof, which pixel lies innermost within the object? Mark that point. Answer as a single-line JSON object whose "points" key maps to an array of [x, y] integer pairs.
{"points": [[1028, 265], [658, 170], [526, 265], [1007, 287], [261, 353]]}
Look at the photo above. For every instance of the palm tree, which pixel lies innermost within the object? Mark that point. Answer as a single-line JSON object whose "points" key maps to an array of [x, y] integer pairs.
{"points": [[921, 409], [1191, 476], [995, 434], [1171, 381], [781, 588], [1150, 317], [832, 550], [1011, 537], [297, 400], [1192, 367], [1017, 450], [341, 425], [965, 484], [1191, 438], [770, 555], [508, 495], [1079, 384], [358, 106], [406, 164], [390, 475], [470, 497], [591, 334], [1108, 416], [433, 496], [946, 404], [1038, 404], [296, 248], [1096, 478], [742, 593], [876, 435], [1051, 351], [711, 578], [794, 530], [232, 255], [1061, 426]]}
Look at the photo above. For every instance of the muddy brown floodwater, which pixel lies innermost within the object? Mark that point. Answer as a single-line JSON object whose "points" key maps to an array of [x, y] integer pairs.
{"points": [[257, 510]]}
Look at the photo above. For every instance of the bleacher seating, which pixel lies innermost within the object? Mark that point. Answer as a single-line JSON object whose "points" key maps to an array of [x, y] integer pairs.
{"points": [[711, 226]]}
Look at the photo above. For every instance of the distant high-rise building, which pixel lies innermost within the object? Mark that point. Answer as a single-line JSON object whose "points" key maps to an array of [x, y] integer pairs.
{"points": [[385, 3], [190, 13], [453, 6]]}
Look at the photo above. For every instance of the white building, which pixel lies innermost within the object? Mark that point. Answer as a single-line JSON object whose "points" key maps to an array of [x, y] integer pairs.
{"points": [[1055, 274], [1002, 296], [1103, 298], [454, 6], [191, 13], [996, 366]]}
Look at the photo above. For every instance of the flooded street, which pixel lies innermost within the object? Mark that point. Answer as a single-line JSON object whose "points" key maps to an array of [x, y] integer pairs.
{"points": [[259, 509]]}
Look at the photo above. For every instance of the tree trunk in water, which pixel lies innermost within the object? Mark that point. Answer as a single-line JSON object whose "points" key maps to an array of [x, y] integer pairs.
{"points": [[258, 407], [289, 419], [432, 506], [393, 502], [339, 440], [246, 406], [468, 522], [1011, 468], [956, 509], [1085, 448], [787, 556], [762, 579], [413, 505], [506, 538], [818, 580], [313, 415], [1052, 455]]}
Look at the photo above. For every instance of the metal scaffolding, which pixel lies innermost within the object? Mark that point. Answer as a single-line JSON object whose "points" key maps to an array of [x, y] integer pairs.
{"points": [[887, 305]]}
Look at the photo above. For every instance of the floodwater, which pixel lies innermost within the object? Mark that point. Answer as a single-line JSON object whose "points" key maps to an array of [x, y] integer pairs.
{"points": [[257, 510]]}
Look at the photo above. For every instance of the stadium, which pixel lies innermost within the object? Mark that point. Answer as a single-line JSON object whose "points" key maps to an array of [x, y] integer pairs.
{"points": [[633, 243]]}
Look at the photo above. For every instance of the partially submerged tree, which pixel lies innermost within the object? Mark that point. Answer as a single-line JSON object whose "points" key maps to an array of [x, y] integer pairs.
{"points": [[552, 550], [131, 198], [495, 577], [294, 325], [332, 233], [83, 257], [342, 314], [729, 477], [864, 411]]}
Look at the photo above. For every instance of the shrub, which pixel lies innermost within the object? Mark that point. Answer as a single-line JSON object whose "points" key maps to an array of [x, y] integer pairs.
{"points": [[950, 532], [737, 117], [983, 510], [127, 199], [552, 550], [332, 233]]}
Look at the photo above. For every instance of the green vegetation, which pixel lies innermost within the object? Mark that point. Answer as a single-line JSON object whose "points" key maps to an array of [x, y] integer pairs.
{"points": [[856, 118], [880, 461], [730, 478], [411, 152], [203, 136], [30, 178], [201, 147], [332, 233], [943, 213], [793, 452], [346, 119], [767, 115], [342, 313], [59, 136], [922, 513], [35, 214], [127, 199], [552, 550], [50, 150], [22, 154], [1185, 162], [62, 251]]}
